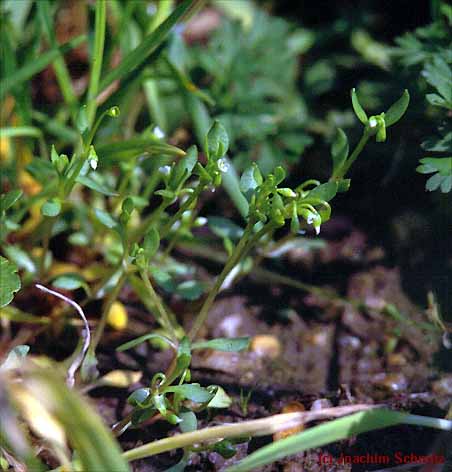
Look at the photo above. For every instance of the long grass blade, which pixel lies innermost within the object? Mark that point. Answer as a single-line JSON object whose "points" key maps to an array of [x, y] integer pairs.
{"points": [[33, 67], [148, 45], [333, 431], [96, 59]]}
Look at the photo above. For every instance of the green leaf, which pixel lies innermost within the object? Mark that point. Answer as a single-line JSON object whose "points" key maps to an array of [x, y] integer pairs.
{"points": [[41, 170], [193, 392], [151, 243], [19, 257], [397, 110], [357, 108], [7, 200], [225, 448], [339, 150], [183, 359], [81, 122], [149, 44], [434, 182], [51, 208], [131, 148], [224, 228], [35, 65], [324, 192], [220, 399], [217, 141], [224, 344], [96, 182], [439, 74], [190, 289], [69, 282], [140, 340], [105, 218], [251, 179], [138, 397], [442, 179], [189, 422], [9, 281]]}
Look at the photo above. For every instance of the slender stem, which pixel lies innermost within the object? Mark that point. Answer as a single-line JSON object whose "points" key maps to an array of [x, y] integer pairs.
{"points": [[47, 229], [96, 60], [106, 309], [245, 244], [149, 221], [356, 152], [185, 206], [260, 427], [163, 317]]}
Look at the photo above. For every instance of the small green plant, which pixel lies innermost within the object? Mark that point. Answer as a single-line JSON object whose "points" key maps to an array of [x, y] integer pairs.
{"points": [[124, 196]]}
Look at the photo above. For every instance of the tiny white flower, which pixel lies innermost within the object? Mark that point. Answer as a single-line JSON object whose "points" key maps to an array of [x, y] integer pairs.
{"points": [[310, 219], [200, 221], [373, 122], [317, 230], [165, 170], [223, 165], [158, 133], [93, 164]]}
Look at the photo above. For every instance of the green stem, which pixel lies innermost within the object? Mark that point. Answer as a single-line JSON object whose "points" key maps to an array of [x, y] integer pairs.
{"points": [[356, 152], [113, 295], [245, 244], [185, 206], [149, 221], [163, 317], [96, 60], [61, 70]]}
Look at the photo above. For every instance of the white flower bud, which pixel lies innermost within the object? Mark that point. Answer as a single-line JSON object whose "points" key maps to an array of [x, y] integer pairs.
{"points": [[223, 165], [158, 133]]}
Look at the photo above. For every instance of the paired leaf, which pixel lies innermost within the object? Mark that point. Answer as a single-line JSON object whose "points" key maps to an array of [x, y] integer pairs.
{"points": [[397, 110], [358, 109]]}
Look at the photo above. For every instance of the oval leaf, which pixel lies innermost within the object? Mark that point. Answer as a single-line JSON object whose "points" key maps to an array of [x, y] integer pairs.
{"points": [[397, 110], [358, 109]]}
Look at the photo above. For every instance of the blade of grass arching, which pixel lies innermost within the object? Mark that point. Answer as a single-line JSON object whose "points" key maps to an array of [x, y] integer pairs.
{"points": [[131, 148], [96, 59], [61, 70], [95, 446], [333, 431], [24, 131], [147, 46], [32, 67], [202, 121]]}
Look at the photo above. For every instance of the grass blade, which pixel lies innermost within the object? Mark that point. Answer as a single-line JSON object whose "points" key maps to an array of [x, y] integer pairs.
{"points": [[148, 45], [96, 59], [33, 67], [333, 431], [131, 148], [96, 448]]}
